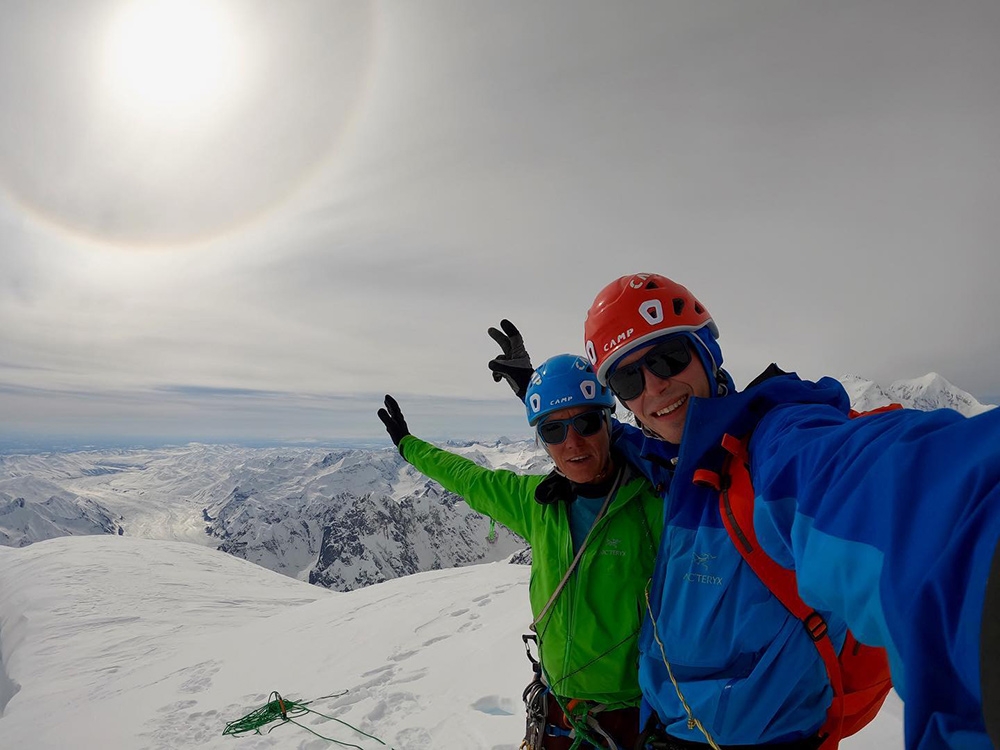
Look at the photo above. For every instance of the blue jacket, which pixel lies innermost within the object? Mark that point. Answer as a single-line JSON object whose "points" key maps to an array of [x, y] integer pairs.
{"points": [[745, 665], [891, 521]]}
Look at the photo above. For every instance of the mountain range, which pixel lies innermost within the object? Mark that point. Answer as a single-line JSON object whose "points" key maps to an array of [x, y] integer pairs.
{"points": [[342, 519]]}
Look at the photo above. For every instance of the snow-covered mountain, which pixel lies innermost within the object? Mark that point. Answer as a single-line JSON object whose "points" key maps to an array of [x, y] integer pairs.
{"points": [[356, 517], [931, 391], [342, 519], [32, 509]]}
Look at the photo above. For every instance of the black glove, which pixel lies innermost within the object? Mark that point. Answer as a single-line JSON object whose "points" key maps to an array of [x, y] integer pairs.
{"points": [[392, 418], [514, 364]]}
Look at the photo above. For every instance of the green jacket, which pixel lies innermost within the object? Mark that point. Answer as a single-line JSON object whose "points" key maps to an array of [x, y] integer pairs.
{"points": [[588, 637]]}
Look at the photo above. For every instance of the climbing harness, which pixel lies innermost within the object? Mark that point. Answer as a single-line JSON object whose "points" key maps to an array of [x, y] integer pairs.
{"points": [[286, 711], [536, 701], [578, 726]]}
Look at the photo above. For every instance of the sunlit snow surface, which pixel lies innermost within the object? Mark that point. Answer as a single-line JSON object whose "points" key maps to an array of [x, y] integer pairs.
{"points": [[113, 642]]}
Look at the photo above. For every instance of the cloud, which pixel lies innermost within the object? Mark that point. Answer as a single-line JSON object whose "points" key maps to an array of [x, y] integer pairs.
{"points": [[183, 412], [820, 176]]}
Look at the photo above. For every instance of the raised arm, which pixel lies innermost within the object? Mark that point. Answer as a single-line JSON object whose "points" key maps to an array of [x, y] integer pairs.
{"points": [[503, 495]]}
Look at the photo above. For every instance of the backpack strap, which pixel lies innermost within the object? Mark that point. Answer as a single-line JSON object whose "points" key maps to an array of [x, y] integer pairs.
{"points": [[736, 503], [894, 406]]}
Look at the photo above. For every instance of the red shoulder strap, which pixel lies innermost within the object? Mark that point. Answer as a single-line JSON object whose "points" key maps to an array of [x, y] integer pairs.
{"points": [[736, 501], [880, 410]]}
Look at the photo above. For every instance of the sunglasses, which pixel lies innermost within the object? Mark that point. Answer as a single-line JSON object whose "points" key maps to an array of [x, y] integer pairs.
{"points": [[554, 431], [666, 360]]}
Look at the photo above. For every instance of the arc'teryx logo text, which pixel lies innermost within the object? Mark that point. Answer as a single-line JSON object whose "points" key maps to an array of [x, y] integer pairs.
{"points": [[610, 547], [701, 559]]}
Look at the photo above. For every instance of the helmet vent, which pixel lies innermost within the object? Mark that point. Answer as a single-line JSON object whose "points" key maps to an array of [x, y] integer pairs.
{"points": [[651, 284], [698, 308], [678, 306]]}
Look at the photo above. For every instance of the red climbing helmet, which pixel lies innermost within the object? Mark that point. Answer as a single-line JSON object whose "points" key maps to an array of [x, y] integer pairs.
{"points": [[632, 311]]}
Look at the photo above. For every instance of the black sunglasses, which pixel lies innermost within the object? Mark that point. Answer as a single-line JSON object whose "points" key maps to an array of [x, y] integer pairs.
{"points": [[666, 360], [554, 431]]}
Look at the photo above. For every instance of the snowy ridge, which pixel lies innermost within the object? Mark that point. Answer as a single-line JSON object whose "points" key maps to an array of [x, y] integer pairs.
{"points": [[865, 394], [934, 392], [931, 391], [133, 644]]}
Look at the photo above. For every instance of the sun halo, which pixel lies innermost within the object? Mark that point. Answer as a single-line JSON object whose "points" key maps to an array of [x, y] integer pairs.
{"points": [[168, 123]]}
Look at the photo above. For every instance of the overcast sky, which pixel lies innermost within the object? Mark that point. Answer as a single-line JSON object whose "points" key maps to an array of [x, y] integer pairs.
{"points": [[251, 219]]}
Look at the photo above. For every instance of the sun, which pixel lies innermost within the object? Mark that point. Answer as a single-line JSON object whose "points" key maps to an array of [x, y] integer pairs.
{"points": [[169, 59], [168, 122]]}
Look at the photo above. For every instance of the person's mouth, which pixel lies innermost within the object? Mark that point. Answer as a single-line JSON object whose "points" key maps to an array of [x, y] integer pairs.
{"points": [[671, 408]]}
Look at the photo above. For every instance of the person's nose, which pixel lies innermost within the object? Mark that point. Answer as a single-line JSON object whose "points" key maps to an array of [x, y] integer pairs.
{"points": [[573, 438], [653, 385]]}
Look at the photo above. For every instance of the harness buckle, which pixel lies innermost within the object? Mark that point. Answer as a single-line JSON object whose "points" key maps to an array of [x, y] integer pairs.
{"points": [[815, 626]]}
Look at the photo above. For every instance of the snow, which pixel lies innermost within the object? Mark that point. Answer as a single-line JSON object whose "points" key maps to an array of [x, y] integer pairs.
{"points": [[136, 644]]}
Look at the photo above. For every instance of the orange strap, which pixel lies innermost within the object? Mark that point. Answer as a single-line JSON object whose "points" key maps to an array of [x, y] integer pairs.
{"points": [[736, 502]]}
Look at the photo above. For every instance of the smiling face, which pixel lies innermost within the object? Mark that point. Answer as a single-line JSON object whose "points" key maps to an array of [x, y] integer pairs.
{"points": [[581, 459], [663, 404]]}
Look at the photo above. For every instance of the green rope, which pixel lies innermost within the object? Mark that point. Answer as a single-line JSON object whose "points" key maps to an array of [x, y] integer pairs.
{"points": [[286, 711], [492, 536]]}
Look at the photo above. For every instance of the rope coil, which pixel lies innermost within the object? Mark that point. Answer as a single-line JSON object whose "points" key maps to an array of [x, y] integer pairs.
{"points": [[286, 711]]}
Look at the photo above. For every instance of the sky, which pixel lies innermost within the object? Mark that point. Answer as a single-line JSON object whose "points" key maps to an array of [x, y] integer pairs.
{"points": [[117, 642], [245, 220]]}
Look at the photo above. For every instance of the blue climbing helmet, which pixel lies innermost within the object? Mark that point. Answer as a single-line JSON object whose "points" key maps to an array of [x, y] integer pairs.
{"points": [[563, 381]]}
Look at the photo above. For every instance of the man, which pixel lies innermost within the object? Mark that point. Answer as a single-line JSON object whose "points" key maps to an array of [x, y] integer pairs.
{"points": [[889, 521], [594, 526]]}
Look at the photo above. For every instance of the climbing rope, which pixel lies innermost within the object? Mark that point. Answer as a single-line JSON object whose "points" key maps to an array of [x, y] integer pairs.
{"points": [[692, 721], [287, 711]]}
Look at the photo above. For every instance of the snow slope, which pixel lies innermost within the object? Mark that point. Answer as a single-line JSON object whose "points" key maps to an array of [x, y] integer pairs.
{"points": [[113, 643]]}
